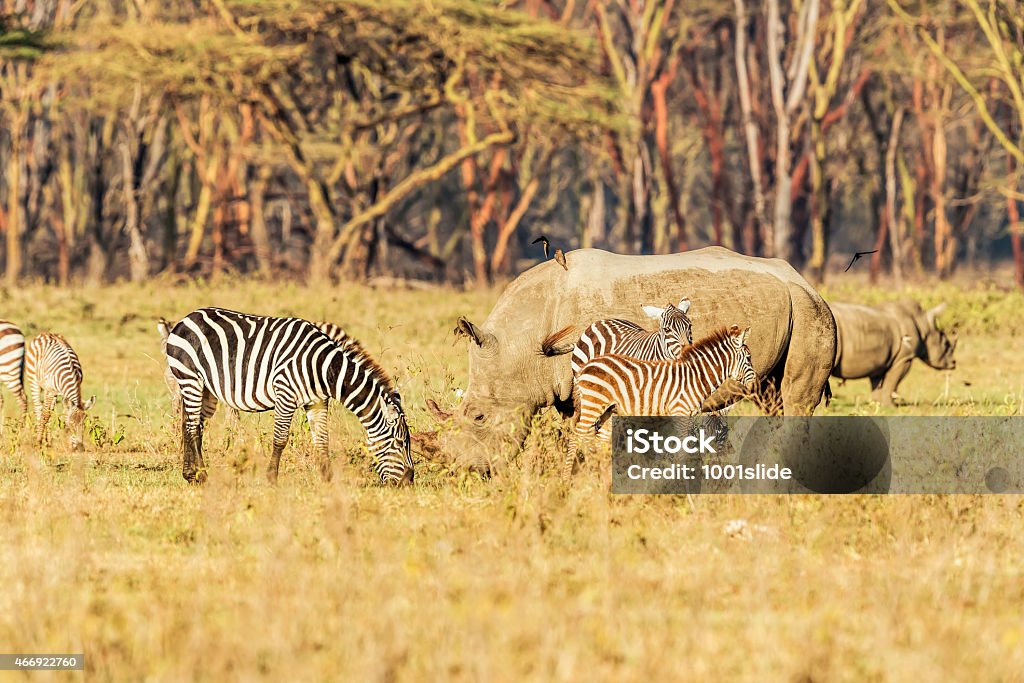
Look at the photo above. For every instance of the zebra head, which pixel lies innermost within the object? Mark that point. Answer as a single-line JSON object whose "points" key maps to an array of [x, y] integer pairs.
{"points": [[674, 324], [76, 423], [741, 366], [392, 457]]}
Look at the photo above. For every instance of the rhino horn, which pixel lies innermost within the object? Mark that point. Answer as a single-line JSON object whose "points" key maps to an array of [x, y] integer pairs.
{"points": [[934, 313], [468, 329]]}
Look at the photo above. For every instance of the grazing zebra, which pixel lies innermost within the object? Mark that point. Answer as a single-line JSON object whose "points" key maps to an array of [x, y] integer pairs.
{"points": [[628, 386], [12, 357], [52, 369], [255, 363], [626, 338]]}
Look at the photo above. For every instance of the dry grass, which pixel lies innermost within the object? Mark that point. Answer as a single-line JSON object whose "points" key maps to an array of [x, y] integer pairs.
{"points": [[111, 553]]}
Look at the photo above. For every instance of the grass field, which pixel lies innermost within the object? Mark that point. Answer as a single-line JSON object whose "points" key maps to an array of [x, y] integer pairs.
{"points": [[110, 553]]}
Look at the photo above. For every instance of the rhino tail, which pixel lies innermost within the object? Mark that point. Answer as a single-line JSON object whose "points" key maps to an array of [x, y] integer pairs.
{"points": [[557, 343]]}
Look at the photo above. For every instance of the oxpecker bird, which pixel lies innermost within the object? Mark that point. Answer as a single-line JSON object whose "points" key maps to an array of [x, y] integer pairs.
{"points": [[560, 258]]}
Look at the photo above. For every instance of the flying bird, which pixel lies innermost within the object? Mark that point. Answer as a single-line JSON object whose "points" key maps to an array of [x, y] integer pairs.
{"points": [[544, 242], [560, 257], [856, 257]]}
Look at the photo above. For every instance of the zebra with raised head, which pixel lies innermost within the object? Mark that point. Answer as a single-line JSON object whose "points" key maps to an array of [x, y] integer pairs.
{"points": [[52, 369], [617, 336], [256, 363], [12, 362], [617, 384]]}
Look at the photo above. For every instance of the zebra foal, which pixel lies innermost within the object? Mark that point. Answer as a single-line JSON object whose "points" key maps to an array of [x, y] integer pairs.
{"points": [[52, 369], [617, 336], [12, 358], [617, 384], [256, 363]]}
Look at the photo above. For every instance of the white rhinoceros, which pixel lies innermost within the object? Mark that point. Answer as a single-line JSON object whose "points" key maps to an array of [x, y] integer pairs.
{"points": [[792, 339], [881, 343]]}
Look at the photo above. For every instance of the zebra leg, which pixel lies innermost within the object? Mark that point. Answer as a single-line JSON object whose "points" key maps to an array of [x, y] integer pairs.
{"points": [[192, 402], [282, 426], [209, 407], [571, 455], [46, 409], [19, 395], [316, 414]]}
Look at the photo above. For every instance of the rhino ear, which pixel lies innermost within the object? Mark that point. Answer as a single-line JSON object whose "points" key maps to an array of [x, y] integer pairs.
{"points": [[653, 311], [934, 313], [684, 304], [164, 326], [477, 334]]}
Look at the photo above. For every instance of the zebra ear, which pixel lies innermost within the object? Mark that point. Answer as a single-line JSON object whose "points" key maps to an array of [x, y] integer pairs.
{"points": [[684, 304], [653, 311], [88, 404], [746, 333]]}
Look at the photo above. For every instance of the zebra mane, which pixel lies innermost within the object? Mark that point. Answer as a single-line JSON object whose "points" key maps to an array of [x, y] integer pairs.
{"points": [[550, 345], [714, 338], [350, 345]]}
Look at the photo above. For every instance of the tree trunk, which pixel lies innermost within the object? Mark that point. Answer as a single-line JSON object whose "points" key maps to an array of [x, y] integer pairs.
{"points": [[1016, 229], [892, 218], [138, 258], [787, 93], [750, 132], [260, 236], [818, 205], [14, 213], [658, 89]]}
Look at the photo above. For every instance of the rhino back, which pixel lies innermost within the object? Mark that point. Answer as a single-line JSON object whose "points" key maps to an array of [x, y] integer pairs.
{"points": [[868, 340], [725, 289]]}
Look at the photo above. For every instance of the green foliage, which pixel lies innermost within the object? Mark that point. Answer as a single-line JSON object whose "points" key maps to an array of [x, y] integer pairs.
{"points": [[18, 42]]}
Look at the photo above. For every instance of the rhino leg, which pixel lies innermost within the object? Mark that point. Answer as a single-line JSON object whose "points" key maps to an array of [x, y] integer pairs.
{"points": [[891, 381], [880, 391]]}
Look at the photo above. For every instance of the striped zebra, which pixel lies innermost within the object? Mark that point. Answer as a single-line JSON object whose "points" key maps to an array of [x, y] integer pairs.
{"points": [[12, 358], [52, 369], [164, 327], [256, 363], [622, 385], [626, 338]]}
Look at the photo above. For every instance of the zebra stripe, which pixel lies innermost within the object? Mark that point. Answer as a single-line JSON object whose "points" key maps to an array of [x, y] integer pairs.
{"points": [[629, 386], [12, 359], [626, 338], [52, 369], [256, 363]]}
